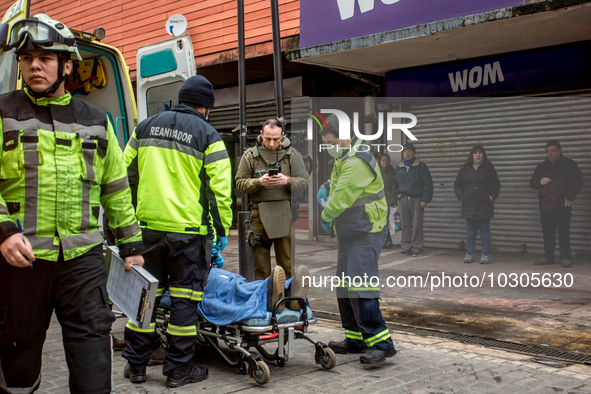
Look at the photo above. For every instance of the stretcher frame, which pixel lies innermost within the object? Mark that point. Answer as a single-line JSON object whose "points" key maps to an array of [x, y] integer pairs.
{"points": [[241, 338]]}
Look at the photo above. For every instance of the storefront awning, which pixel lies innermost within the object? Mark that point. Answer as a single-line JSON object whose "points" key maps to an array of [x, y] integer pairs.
{"points": [[525, 27]]}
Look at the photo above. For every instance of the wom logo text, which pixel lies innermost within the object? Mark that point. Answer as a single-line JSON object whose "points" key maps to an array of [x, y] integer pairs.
{"points": [[392, 123]]}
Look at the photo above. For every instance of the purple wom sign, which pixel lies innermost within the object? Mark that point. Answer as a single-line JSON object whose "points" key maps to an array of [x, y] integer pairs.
{"points": [[326, 21]]}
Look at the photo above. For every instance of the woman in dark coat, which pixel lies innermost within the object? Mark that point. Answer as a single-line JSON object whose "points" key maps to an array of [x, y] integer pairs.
{"points": [[477, 186], [387, 172]]}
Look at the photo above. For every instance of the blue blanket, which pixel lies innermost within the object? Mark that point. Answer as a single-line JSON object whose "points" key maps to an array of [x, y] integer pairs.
{"points": [[228, 299]]}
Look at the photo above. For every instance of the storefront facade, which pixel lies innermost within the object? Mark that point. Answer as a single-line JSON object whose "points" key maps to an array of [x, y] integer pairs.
{"points": [[489, 55]]}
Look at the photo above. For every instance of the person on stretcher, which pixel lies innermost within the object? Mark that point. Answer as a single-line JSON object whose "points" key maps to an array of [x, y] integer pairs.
{"points": [[228, 298]]}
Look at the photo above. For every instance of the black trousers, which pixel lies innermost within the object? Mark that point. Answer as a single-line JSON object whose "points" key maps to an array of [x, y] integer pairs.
{"points": [[178, 262], [76, 290], [360, 312], [557, 219]]}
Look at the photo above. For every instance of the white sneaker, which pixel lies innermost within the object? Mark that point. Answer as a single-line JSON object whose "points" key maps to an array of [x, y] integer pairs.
{"points": [[469, 258]]}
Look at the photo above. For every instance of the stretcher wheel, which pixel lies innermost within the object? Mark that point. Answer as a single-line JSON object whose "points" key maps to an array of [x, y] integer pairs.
{"points": [[262, 373], [281, 362], [328, 361]]}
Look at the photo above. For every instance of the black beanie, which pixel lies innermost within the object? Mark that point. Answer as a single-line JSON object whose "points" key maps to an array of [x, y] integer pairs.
{"points": [[410, 146], [197, 90]]}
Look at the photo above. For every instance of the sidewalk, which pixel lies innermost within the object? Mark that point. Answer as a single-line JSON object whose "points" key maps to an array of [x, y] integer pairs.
{"points": [[557, 317], [422, 365]]}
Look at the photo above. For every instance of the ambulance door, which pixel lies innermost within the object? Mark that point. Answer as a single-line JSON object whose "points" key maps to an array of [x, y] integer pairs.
{"points": [[162, 68], [8, 64], [106, 85]]}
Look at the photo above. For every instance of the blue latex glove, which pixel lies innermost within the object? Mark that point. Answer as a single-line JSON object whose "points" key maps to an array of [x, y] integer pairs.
{"points": [[216, 258], [322, 196], [221, 242], [327, 226]]}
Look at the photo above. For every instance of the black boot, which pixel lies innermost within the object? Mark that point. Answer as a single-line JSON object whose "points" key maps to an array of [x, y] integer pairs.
{"points": [[346, 347], [134, 375], [375, 356], [187, 373]]}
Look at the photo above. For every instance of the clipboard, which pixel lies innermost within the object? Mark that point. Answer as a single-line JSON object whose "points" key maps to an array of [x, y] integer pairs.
{"points": [[133, 292]]}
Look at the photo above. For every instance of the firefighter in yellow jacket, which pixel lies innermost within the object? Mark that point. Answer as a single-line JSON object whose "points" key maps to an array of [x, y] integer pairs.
{"points": [[60, 161], [170, 156]]}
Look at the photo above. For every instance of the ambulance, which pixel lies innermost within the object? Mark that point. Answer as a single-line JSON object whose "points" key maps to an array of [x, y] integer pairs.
{"points": [[102, 78]]}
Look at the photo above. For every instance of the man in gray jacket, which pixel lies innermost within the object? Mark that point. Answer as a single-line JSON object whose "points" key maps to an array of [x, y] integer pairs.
{"points": [[412, 190]]}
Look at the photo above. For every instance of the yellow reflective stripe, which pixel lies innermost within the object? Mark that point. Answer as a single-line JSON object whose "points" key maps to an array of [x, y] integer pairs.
{"points": [[352, 287], [218, 146], [133, 142], [160, 291], [353, 334], [329, 218], [215, 156], [219, 170], [179, 292], [131, 325], [382, 336], [344, 284], [181, 331], [197, 296], [130, 151]]}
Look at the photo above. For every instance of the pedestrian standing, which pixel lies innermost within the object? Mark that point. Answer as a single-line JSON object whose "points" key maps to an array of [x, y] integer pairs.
{"points": [[558, 181], [60, 162], [477, 186], [412, 190]]}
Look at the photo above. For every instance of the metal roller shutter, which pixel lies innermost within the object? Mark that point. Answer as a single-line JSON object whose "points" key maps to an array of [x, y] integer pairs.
{"points": [[514, 132]]}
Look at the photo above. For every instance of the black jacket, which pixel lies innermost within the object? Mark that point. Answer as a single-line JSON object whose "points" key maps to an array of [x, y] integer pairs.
{"points": [[388, 177], [414, 182], [566, 182], [475, 188]]}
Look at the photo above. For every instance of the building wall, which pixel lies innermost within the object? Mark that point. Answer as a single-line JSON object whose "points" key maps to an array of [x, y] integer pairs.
{"points": [[212, 23]]}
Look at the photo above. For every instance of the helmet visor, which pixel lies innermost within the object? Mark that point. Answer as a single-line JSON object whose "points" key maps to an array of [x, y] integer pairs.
{"points": [[39, 32]]}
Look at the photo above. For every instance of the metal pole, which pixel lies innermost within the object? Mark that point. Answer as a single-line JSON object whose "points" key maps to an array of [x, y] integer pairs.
{"points": [[277, 61], [242, 85], [245, 258]]}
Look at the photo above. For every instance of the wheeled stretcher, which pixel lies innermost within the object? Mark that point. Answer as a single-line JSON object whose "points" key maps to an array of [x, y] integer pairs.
{"points": [[281, 329]]}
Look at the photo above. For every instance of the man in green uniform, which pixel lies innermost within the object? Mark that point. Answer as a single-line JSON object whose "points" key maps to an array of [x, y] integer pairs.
{"points": [[271, 194], [60, 161]]}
